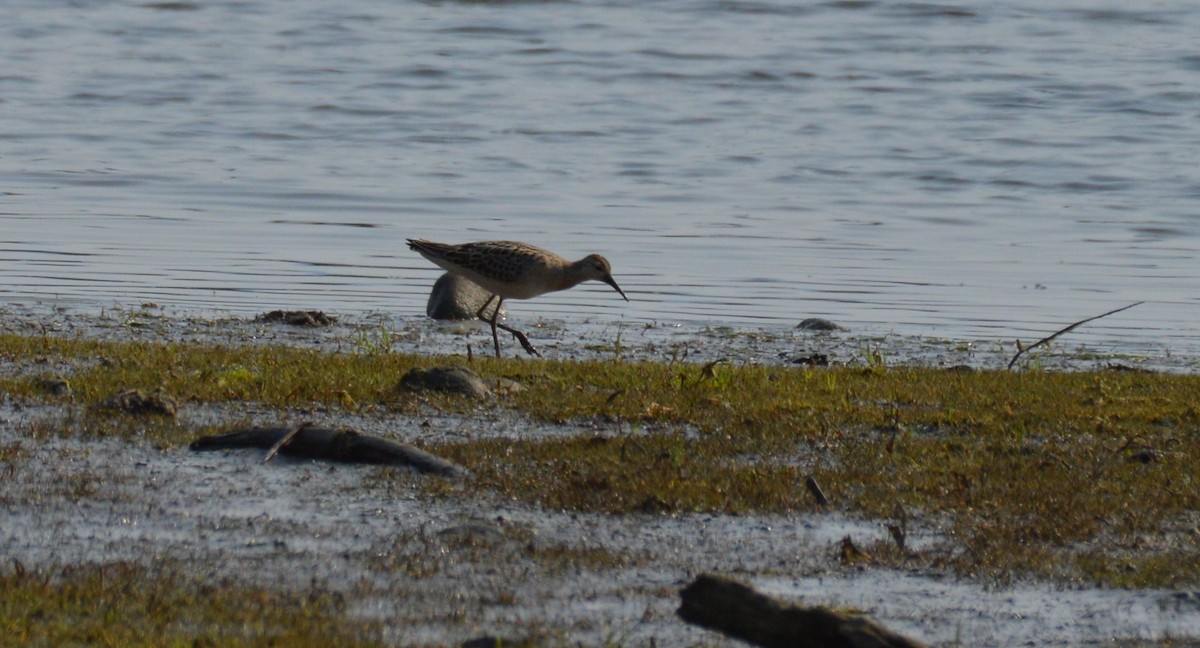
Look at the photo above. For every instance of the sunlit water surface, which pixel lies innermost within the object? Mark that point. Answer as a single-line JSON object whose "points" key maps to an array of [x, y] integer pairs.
{"points": [[965, 170]]}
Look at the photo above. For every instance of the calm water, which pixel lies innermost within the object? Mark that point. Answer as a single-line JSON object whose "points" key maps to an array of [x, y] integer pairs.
{"points": [[969, 170]]}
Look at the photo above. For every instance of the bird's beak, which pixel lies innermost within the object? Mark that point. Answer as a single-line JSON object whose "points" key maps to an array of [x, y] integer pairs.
{"points": [[613, 282]]}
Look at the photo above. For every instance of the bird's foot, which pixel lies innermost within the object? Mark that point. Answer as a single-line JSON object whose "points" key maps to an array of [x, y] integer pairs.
{"points": [[525, 343]]}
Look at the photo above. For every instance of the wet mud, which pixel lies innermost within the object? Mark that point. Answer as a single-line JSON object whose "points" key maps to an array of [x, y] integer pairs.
{"points": [[587, 339], [442, 570]]}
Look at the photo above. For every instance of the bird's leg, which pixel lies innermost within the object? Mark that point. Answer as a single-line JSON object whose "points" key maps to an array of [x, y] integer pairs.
{"points": [[479, 313], [492, 321], [522, 339]]}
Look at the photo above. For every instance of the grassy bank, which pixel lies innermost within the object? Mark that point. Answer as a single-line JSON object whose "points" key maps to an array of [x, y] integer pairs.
{"points": [[122, 604], [1086, 477]]}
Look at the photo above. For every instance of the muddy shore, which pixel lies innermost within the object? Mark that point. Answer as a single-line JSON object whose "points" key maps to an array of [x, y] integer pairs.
{"points": [[438, 571]]}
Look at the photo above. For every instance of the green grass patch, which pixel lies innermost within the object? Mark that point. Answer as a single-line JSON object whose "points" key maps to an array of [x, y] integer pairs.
{"points": [[269, 375], [120, 604], [1030, 472]]}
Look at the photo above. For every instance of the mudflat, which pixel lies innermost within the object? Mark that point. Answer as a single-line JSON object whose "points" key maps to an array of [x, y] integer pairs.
{"points": [[966, 505]]}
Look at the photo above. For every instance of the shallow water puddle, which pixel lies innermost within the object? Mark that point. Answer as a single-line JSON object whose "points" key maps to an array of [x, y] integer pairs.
{"points": [[950, 610]]}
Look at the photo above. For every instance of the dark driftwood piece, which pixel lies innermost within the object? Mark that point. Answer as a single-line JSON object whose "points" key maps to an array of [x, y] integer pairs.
{"points": [[1049, 338], [343, 445], [736, 610]]}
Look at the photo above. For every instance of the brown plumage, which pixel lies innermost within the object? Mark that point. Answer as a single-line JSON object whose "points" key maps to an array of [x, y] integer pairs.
{"points": [[513, 270]]}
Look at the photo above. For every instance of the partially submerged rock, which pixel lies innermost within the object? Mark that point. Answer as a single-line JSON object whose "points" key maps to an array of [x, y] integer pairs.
{"points": [[450, 380], [456, 298], [341, 444], [299, 318], [736, 610], [133, 401], [819, 324], [811, 360]]}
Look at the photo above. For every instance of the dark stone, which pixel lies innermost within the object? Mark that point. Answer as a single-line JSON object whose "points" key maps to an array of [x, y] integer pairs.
{"points": [[1145, 456], [489, 641], [818, 324], [812, 360], [653, 505], [57, 386], [133, 401], [298, 318], [450, 380]]}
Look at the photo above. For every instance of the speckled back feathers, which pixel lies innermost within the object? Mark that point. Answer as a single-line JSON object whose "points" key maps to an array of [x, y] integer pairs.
{"points": [[515, 270], [506, 261]]}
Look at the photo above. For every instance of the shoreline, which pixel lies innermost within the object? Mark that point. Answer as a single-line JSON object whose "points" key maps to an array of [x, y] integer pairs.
{"points": [[415, 560], [588, 339]]}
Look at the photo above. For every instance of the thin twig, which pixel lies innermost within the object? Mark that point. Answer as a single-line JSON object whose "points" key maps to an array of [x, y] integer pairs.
{"points": [[286, 439], [815, 489], [1048, 339]]}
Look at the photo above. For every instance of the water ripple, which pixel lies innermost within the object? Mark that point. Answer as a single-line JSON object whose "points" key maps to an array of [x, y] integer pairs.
{"points": [[950, 167]]}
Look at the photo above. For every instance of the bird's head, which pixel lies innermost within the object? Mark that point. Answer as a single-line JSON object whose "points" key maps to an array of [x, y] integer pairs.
{"points": [[594, 266]]}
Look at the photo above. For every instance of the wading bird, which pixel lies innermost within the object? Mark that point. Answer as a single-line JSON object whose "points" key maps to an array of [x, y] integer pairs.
{"points": [[512, 270]]}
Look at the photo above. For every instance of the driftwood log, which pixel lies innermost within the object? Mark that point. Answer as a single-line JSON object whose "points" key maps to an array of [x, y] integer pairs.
{"points": [[738, 611], [343, 444]]}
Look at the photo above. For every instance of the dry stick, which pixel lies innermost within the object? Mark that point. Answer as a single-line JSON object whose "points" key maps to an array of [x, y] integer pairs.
{"points": [[1047, 340], [899, 531], [286, 439], [815, 489]]}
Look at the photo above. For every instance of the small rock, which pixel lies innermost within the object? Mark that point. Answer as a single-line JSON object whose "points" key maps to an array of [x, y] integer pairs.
{"points": [[1192, 598], [1116, 366], [56, 385], [299, 318], [654, 505], [849, 553], [451, 380], [505, 386], [489, 641], [133, 401], [456, 298], [818, 324], [473, 534], [1145, 456], [811, 360]]}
